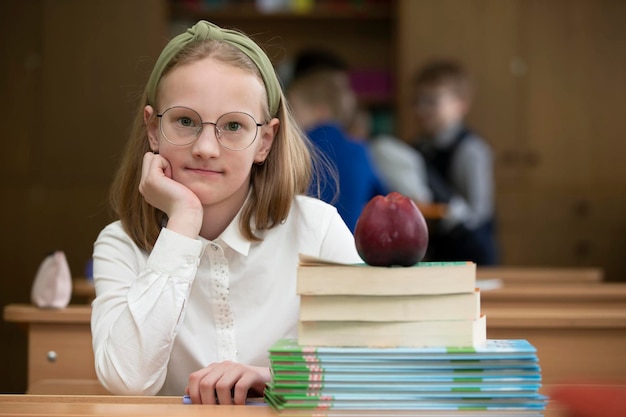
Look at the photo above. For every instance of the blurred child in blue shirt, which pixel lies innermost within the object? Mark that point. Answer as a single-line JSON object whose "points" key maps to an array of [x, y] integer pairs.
{"points": [[323, 103]]}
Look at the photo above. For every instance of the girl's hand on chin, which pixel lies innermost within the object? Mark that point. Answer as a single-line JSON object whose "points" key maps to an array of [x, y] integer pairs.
{"points": [[181, 205], [226, 383]]}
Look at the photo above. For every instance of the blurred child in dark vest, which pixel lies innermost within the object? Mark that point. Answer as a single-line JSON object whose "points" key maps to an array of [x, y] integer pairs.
{"points": [[459, 165]]}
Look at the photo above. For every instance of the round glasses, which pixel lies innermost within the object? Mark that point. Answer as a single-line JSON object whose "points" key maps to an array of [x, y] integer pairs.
{"points": [[182, 126]]}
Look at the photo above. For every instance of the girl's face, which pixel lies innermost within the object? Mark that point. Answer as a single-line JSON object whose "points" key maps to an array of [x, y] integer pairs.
{"points": [[218, 176]]}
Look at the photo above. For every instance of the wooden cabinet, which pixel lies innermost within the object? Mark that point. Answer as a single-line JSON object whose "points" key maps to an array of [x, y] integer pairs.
{"points": [[550, 78], [60, 355], [573, 91], [570, 122]]}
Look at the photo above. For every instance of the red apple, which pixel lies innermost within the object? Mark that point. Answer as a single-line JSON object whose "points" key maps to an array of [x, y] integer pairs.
{"points": [[391, 231]]}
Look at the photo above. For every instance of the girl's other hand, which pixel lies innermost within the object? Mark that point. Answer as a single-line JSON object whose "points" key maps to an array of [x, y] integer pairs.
{"points": [[226, 383], [181, 205]]}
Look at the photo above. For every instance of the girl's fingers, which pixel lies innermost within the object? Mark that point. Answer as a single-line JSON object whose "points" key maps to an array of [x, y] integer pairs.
{"points": [[154, 185], [242, 387], [203, 385], [232, 374], [194, 389], [220, 382]]}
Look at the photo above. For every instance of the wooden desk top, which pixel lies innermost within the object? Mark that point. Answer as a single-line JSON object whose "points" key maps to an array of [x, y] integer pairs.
{"points": [[613, 292], [118, 406], [497, 316], [530, 275], [432, 211], [27, 313]]}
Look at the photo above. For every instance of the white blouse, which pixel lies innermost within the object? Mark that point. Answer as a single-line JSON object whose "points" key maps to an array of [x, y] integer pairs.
{"points": [[160, 316]]}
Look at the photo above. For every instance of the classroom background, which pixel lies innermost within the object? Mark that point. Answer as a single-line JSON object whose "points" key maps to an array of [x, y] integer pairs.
{"points": [[550, 85]]}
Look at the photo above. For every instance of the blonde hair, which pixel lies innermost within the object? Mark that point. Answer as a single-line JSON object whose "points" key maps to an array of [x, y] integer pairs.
{"points": [[329, 88], [287, 171]]}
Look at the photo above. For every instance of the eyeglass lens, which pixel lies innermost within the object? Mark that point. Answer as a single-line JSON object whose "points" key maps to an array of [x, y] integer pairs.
{"points": [[234, 130]]}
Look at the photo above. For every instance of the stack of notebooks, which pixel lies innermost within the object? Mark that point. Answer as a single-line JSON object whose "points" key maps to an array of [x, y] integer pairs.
{"points": [[398, 341], [500, 378]]}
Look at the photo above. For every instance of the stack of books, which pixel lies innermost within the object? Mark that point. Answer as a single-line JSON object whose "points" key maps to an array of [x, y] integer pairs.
{"points": [[398, 341], [501, 377], [429, 304]]}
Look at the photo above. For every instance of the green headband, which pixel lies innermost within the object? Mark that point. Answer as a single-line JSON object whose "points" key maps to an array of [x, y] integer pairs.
{"points": [[204, 30]]}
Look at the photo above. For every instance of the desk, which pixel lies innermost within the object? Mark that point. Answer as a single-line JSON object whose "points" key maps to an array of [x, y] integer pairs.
{"points": [[118, 406], [554, 296], [580, 341], [60, 355], [578, 330], [572, 342], [68, 406]]}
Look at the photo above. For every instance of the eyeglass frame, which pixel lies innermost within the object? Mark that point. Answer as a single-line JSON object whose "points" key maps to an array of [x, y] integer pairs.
{"points": [[216, 130]]}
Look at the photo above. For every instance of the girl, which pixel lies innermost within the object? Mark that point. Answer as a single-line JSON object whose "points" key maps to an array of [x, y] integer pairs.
{"points": [[197, 278]]}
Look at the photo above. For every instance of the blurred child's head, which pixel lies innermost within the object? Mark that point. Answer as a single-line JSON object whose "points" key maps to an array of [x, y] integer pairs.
{"points": [[442, 96], [322, 96], [273, 181]]}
